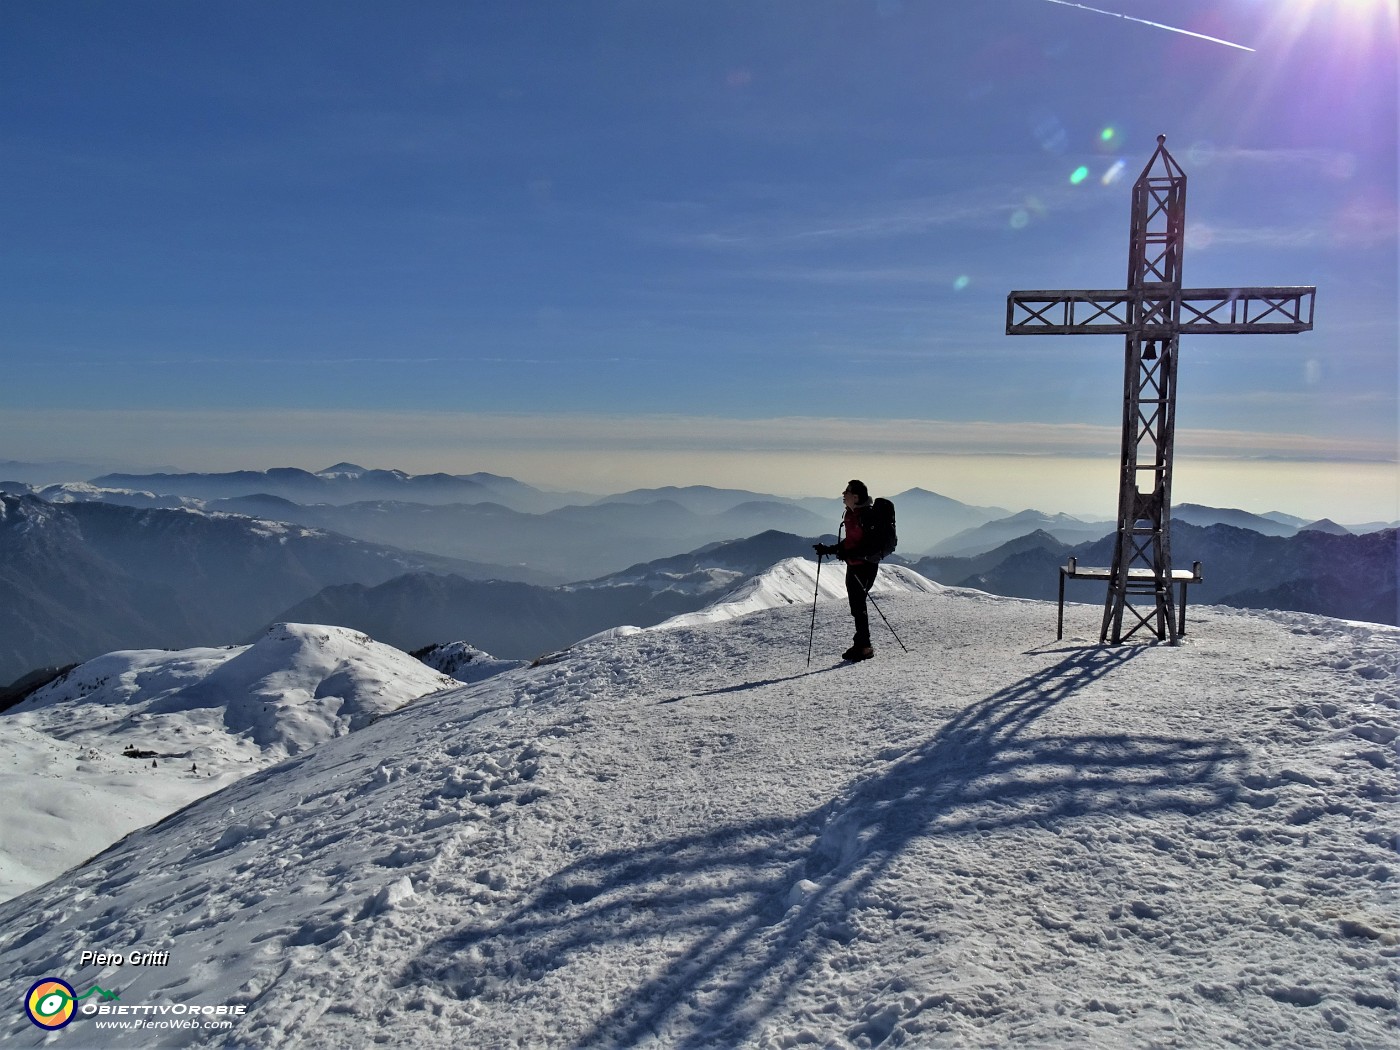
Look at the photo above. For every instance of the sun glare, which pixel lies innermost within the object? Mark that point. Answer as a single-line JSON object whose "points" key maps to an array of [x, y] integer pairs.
{"points": [[1363, 16], [1328, 62]]}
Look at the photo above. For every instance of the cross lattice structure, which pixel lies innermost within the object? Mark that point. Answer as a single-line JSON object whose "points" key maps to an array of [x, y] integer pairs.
{"points": [[1152, 313]]}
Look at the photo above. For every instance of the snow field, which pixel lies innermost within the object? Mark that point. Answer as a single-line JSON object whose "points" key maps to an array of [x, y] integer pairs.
{"points": [[684, 837]]}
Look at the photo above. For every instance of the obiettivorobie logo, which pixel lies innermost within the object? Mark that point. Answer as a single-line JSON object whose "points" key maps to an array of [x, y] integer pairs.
{"points": [[52, 1002]]}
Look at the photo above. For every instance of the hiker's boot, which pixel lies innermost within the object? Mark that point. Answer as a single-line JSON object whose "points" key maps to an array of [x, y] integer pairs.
{"points": [[858, 652]]}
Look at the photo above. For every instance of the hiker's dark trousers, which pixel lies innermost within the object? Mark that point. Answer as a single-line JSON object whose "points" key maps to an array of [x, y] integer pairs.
{"points": [[860, 577]]}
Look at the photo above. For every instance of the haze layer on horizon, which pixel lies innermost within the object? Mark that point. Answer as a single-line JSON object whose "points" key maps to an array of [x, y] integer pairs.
{"points": [[1074, 469]]}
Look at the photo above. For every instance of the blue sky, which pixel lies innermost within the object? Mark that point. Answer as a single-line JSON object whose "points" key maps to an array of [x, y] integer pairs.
{"points": [[752, 243]]}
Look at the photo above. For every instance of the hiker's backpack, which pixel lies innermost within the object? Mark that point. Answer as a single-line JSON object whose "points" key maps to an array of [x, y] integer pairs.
{"points": [[883, 538]]}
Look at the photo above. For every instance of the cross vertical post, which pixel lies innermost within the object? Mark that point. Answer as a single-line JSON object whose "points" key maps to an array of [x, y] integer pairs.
{"points": [[1149, 404], [1151, 314]]}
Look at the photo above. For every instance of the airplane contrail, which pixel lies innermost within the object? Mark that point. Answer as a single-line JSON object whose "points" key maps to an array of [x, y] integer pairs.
{"points": [[1158, 25]]}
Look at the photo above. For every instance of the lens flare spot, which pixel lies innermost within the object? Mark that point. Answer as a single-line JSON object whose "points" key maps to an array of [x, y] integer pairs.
{"points": [[962, 282], [1080, 174], [1114, 173], [1020, 219], [1107, 135]]}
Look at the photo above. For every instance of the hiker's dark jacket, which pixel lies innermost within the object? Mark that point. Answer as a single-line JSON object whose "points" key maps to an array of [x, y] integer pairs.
{"points": [[859, 542]]}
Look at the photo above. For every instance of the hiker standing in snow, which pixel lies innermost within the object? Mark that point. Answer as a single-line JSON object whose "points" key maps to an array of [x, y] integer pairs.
{"points": [[859, 549]]}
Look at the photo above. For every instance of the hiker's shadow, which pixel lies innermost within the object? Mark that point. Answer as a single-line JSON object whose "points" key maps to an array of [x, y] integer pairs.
{"points": [[724, 921], [744, 687]]}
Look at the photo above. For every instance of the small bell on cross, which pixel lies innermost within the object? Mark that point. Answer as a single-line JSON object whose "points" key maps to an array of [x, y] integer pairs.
{"points": [[1149, 352]]}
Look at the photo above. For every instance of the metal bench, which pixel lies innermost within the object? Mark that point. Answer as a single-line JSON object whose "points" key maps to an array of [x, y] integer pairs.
{"points": [[1181, 577]]}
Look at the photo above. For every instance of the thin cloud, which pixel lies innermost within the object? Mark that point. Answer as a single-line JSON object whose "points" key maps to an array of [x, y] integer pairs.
{"points": [[1336, 163], [976, 209], [234, 433], [1379, 229]]}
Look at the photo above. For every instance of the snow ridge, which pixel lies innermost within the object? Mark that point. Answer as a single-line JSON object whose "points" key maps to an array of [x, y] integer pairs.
{"points": [[792, 581]]}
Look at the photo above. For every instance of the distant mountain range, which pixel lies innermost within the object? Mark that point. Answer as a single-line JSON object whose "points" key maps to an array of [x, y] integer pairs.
{"points": [[81, 579], [533, 536], [993, 534], [518, 621], [82, 571], [551, 547], [990, 535], [1347, 576], [88, 578], [344, 483], [510, 620]]}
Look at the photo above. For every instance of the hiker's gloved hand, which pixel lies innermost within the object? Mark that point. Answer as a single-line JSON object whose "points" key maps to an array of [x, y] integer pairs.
{"points": [[827, 550]]}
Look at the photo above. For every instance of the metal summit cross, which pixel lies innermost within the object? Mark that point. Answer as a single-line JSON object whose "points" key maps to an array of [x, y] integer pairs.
{"points": [[1153, 313]]}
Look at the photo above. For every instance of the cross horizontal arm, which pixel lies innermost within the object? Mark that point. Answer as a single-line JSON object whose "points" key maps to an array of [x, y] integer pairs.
{"points": [[1065, 313], [1160, 310], [1247, 310]]}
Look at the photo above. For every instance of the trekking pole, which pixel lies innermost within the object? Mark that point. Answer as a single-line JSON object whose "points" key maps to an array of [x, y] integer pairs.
{"points": [[879, 610], [815, 591]]}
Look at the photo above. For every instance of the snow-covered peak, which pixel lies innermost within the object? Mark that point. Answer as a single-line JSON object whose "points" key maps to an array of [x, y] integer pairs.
{"points": [[296, 686], [302, 684], [343, 470], [465, 662], [148, 731], [1041, 519]]}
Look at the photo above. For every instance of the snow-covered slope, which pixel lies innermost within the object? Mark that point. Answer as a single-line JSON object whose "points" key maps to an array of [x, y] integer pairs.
{"points": [[89, 748], [684, 838], [796, 581], [127, 738], [793, 581]]}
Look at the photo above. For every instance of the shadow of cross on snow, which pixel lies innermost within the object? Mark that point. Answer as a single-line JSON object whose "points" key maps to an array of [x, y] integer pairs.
{"points": [[727, 922]]}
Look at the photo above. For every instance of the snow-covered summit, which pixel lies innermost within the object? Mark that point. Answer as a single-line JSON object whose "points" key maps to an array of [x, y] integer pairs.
{"points": [[297, 686], [128, 737], [686, 838], [464, 662]]}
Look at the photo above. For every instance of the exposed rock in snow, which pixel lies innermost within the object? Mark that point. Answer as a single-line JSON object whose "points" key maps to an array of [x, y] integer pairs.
{"points": [[464, 662]]}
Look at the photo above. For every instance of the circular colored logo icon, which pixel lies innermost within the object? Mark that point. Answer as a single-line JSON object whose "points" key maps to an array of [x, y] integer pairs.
{"points": [[50, 1003]]}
